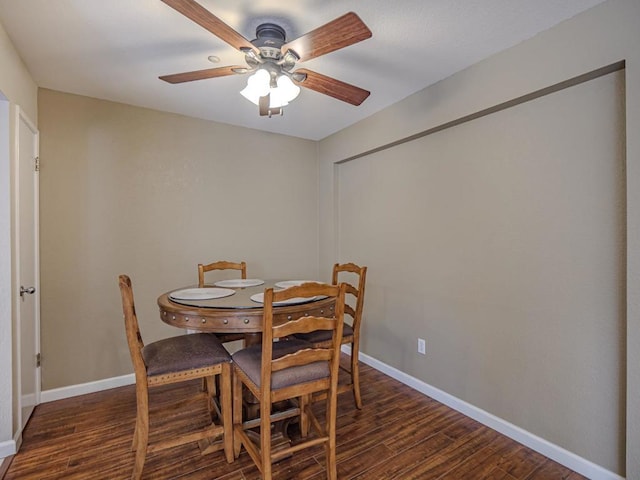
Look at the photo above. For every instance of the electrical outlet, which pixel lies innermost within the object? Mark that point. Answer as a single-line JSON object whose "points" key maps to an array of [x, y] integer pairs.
{"points": [[422, 346]]}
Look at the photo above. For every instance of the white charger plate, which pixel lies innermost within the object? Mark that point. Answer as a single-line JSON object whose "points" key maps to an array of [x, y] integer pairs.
{"points": [[206, 293], [293, 283], [239, 283], [259, 298]]}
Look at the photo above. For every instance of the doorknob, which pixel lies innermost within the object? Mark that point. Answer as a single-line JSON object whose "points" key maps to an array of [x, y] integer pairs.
{"points": [[30, 290]]}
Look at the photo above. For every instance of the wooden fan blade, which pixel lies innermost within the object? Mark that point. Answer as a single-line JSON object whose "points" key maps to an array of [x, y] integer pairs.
{"points": [[339, 33], [203, 17], [332, 87], [200, 74]]}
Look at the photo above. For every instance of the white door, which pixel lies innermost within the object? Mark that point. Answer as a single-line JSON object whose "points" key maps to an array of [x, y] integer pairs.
{"points": [[27, 247]]}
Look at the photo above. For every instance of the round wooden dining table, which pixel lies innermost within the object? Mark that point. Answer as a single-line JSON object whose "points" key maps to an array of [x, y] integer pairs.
{"points": [[236, 313]]}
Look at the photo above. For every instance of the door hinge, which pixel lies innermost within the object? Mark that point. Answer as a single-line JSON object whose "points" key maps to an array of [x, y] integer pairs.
{"points": [[38, 360], [37, 164]]}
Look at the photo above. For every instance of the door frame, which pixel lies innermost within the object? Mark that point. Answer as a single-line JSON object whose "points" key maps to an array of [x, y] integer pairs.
{"points": [[20, 119]]}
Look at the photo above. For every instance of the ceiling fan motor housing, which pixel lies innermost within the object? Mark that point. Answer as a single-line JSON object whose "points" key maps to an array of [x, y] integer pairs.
{"points": [[269, 38]]}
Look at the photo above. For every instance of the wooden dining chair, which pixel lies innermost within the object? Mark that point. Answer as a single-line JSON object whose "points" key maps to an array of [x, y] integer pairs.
{"points": [[221, 265], [172, 360], [275, 371], [351, 333]]}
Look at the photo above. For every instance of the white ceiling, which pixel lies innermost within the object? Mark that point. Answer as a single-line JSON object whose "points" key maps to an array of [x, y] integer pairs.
{"points": [[116, 49]]}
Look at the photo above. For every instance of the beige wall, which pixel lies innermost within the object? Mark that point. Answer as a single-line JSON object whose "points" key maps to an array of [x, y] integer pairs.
{"points": [[16, 88], [150, 194], [507, 235], [599, 37]]}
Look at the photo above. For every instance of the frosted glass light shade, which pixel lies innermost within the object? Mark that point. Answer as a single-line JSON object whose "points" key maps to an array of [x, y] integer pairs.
{"points": [[258, 85], [285, 92]]}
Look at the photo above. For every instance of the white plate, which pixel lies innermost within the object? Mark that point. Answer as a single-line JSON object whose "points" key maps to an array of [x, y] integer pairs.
{"points": [[259, 298], [201, 293], [293, 283], [239, 283]]}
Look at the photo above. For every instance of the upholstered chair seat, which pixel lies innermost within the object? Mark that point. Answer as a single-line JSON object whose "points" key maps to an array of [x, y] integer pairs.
{"points": [[249, 360], [185, 352]]}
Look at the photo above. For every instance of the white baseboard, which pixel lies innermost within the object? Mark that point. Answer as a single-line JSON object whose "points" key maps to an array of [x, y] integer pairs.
{"points": [[564, 457], [11, 447], [7, 448], [84, 388]]}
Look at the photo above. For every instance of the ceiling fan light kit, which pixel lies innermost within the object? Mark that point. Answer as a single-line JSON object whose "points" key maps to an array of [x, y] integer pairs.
{"points": [[261, 84], [270, 59]]}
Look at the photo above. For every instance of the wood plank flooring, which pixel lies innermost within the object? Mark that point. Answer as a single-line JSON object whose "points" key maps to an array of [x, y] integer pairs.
{"points": [[399, 434]]}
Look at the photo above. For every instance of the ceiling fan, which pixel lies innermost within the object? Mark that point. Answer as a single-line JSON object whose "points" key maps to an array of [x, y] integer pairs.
{"points": [[271, 58]]}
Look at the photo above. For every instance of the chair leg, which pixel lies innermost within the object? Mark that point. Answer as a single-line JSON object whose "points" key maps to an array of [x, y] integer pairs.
{"points": [[355, 375], [330, 444], [141, 454], [141, 434], [237, 414], [209, 384], [332, 469], [136, 430], [226, 407], [265, 439], [304, 403]]}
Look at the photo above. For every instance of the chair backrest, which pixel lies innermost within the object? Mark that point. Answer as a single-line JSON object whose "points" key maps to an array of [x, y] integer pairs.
{"points": [[134, 339], [303, 324], [357, 292], [221, 265]]}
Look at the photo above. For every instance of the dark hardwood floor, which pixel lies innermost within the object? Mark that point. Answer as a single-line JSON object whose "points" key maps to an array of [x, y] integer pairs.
{"points": [[399, 434]]}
